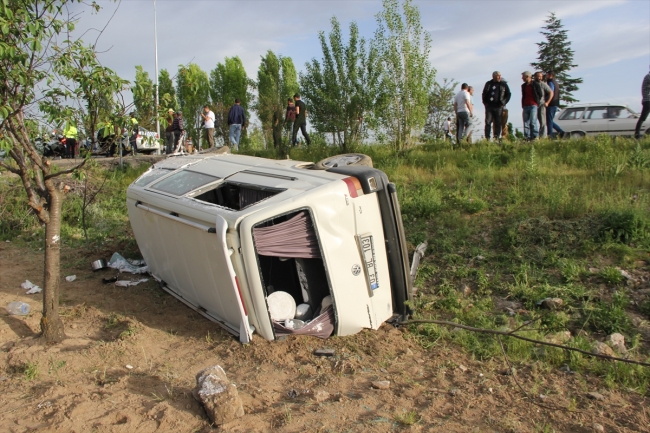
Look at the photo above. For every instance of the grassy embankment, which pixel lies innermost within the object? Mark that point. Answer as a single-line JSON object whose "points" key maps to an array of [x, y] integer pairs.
{"points": [[506, 226]]}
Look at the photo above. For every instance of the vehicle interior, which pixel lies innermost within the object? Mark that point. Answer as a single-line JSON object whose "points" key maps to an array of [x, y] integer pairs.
{"points": [[288, 253], [236, 196]]}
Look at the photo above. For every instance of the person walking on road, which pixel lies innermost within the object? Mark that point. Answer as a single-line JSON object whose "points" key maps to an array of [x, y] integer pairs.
{"points": [[531, 98], [236, 121], [496, 95], [463, 110], [301, 121], [208, 125], [548, 97], [645, 103], [553, 106]]}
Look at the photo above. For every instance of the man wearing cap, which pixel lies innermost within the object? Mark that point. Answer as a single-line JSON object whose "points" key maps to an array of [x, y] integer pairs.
{"points": [[496, 94], [645, 103], [532, 96], [169, 132]]}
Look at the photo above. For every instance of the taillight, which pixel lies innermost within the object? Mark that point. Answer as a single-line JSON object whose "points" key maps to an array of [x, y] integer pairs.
{"points": [[354, 186]]}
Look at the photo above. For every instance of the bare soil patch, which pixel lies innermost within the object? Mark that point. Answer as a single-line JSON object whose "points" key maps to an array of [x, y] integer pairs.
{"points": [[84, 384]]}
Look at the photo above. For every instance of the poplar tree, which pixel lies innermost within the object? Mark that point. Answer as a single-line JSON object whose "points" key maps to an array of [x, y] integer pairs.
{"points": [[228, 80], [403, 47], [144, 99], [555, 54]]}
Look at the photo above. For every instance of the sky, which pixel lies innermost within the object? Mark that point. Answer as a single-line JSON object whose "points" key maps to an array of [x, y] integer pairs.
{"points": [[470, 39]]}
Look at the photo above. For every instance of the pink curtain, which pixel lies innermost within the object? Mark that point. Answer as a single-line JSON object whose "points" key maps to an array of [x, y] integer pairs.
{"points": [[294, 238]]}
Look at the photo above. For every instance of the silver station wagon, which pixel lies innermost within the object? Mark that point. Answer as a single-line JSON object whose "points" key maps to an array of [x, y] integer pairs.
{"points": [[582, 120]]}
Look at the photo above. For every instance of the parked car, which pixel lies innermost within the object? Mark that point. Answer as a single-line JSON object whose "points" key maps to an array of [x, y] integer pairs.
{"points": [[225, 233], [147, 142], [581, 120]]}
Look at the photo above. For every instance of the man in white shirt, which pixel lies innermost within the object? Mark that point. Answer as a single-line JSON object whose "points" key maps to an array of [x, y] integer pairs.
{"points": [[208, 125], [464, 110]]}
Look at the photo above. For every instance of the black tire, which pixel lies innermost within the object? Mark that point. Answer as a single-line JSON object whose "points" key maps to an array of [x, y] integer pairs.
{"points": [[343, 160]]}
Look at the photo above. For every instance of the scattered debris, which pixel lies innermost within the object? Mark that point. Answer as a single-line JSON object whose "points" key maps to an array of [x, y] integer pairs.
{"points": [[123, 265], [321, 396], [127, 283], [218, 396], [30, 287], [543, 396], [44, 404], [293, 393], [417, 256], [18, 308], [479, 257], [601, 348], [617, 342], [455, 391], [129, 367], [465, 290], [625, 274], [599, 428], [462, 368], [551, 303], [381, 384], [565, 368], [324, 352], [109, 280], [595, 396], [70, 278]]}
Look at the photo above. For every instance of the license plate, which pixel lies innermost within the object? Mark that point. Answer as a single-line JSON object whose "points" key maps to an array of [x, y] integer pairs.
{"points": [[367, 249]]}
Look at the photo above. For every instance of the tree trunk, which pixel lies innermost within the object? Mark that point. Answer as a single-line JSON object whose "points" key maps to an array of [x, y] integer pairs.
{"points": [[51, 324]]}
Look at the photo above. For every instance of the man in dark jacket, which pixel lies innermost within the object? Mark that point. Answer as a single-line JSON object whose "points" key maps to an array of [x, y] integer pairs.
{"points": [[301, 121], [645, 104], [532, 96], [177, 128], [496, 94], [236, 121], [553, 106]]}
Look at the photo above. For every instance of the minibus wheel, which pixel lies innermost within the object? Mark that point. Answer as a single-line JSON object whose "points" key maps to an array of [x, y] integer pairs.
{"points": [[343, 160]]}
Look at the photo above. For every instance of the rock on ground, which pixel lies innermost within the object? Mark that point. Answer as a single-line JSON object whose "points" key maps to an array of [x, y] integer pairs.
{"points": [[601, 348], [218, 396], [617, 341]]}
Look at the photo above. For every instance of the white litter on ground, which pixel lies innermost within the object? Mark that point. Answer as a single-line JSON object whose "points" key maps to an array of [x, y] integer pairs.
{"points": [[30, 287], [123, 265], [70, 278], [126, 283]]}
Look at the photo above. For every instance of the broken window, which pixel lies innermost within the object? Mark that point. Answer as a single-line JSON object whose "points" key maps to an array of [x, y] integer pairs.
{"points": [[289, 257], [183, 182], [236, 196], [152, 175]]}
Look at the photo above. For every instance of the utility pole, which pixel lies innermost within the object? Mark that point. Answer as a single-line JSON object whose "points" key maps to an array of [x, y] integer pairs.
{"points": [[155, 37]]}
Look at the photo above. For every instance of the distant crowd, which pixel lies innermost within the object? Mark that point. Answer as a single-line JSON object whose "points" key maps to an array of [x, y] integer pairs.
{"points": [[540, 100], [295, 117]]}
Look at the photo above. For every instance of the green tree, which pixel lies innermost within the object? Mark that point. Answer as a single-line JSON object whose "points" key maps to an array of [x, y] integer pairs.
{"points": [[228, 80], [167, 92], [441, 106], [342, 90], [144, 99], [36, 52], [276, 81], [403, 48], [555, 54], [193, 93]]}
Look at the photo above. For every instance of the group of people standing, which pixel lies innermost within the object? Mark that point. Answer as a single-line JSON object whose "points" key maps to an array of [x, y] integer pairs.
{"points": [[540, 100], [296, 115]]}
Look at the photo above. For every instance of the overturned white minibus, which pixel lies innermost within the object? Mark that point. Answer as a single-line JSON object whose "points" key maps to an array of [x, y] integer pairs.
{"points": [[224, 232]]}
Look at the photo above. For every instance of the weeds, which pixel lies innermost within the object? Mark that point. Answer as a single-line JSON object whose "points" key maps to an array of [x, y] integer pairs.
{"points": [[30, 371], [407, 418]]}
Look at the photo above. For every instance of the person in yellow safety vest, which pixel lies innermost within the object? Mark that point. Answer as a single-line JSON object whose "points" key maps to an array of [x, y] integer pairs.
{"points": [[134, 133], [70, 134]]}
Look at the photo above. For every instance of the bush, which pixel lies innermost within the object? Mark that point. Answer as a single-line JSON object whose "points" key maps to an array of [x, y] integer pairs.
{"points": [[625, 226]]}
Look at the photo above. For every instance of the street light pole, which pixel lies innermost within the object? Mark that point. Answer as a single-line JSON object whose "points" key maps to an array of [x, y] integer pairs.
{"points": [[155, 37]]}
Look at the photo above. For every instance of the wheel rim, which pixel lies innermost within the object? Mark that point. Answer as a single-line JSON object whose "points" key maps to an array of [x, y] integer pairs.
{"points": [[576, 135], [338, 161]]}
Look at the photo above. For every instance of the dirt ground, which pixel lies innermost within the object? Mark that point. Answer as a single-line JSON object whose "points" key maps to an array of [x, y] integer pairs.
{"points": [[84, 384]]}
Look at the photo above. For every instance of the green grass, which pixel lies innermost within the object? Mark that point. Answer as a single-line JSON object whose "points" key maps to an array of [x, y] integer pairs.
{"points": [[538, 216]]}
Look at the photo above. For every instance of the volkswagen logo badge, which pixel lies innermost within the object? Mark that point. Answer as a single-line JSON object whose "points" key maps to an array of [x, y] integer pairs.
{"points": [[356, 270]]}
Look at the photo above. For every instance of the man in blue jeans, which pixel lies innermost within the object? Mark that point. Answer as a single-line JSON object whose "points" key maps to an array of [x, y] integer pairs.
{"points": [[531, 97], [553, 106], [236, 120]]}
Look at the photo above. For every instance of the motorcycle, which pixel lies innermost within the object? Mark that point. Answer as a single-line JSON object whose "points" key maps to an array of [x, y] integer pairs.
{"points": [[55, 147]]}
